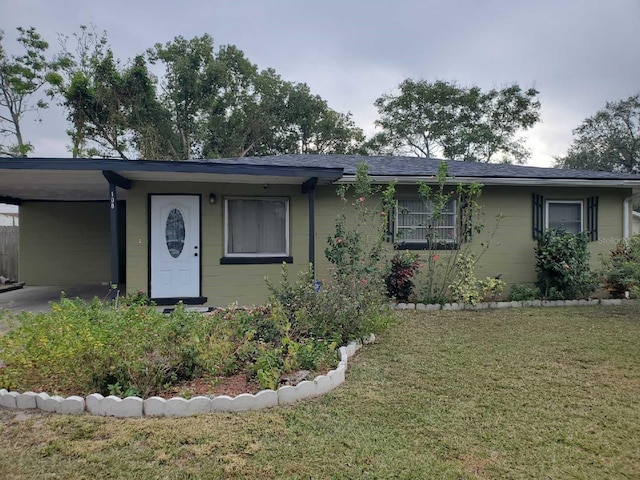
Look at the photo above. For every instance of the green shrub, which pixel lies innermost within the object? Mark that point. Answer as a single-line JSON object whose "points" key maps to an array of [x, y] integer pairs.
{"points": [[399, 278], [521, 292], [562, 264], [297, 299], [468, 289], [620, 271]]}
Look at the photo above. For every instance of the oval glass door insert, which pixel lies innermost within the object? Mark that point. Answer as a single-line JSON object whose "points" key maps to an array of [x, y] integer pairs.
{"points": [[175, 233]]}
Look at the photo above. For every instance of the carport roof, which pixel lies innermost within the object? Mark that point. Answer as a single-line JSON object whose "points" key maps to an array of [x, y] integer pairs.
{"points": [[85, 179]]}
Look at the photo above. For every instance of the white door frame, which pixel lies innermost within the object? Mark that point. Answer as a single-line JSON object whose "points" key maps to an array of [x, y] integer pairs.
{"points": [[182, 275]]}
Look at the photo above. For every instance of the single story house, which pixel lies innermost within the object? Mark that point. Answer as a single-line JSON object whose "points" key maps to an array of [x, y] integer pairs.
{"points": [[209, 231]]}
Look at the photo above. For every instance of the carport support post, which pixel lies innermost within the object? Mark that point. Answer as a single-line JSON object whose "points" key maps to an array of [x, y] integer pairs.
{"points": [[115, 180], [309, 187], [115, 259]]}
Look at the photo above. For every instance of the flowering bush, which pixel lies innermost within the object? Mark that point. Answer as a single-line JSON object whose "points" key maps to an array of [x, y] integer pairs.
{"points": [[562, 263], [352, 302], [442, 258]]}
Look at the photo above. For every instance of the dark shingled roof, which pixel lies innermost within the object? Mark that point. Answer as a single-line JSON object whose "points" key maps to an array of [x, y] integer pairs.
{"points": [[417, 166]]}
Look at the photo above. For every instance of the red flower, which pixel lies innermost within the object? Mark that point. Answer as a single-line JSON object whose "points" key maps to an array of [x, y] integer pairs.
{"points": [[339, 240], [361, 199], [363, 281], [435, 257]]}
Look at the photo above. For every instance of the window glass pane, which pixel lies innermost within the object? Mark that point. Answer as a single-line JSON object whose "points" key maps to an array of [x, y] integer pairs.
{"points": [[257, 226], [415, 221], [175, 233], [566, 216]]}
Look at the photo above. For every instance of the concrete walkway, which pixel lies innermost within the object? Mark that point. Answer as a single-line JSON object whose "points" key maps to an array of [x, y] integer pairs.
{"points": [[37, 299]]}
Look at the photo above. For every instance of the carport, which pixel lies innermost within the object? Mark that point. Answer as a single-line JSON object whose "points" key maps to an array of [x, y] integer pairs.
{"points": [[72, 221], [38, 298]]}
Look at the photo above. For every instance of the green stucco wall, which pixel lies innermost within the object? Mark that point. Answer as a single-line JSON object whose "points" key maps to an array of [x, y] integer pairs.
{"points": [[221, 284], [510, 255], [511, 251], [64, 244]]}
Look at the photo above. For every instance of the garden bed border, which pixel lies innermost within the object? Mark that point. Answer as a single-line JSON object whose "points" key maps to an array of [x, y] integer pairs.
{"points": [[526, 303], [113, 406]]}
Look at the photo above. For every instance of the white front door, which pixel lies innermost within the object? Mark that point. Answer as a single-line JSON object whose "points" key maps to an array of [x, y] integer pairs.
{"points": [[175, 246]]}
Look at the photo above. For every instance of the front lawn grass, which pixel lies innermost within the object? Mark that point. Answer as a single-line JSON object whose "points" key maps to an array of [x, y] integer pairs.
{"points": [[518, 393]]}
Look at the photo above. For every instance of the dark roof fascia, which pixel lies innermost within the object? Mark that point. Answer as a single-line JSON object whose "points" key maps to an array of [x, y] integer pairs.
{"points": [[10, 200], [502, 181], [117, 165]]}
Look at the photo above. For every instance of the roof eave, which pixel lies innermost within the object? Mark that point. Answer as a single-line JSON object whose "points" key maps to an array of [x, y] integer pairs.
{"points": [[117, 165], [506, 181]]}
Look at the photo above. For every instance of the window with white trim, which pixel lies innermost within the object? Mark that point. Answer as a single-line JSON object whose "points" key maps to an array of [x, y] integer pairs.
{"points": [[416, 222], [256, 227], [564, 214]]}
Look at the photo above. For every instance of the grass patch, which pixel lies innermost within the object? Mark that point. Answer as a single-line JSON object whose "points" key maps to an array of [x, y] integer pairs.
{"points": [[526, 393]]}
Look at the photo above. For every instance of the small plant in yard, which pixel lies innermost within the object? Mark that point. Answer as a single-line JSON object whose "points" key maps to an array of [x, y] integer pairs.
{"points": [[399, 279], [620, 270], [521, 292], [562, 263], [468, 289]]}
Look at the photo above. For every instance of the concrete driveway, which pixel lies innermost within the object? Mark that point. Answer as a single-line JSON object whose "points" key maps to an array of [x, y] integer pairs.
{"points": [[37, 299]]}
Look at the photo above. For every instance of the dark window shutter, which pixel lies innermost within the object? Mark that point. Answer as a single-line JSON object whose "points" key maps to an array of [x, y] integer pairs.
{"points": [[592, 218], [390, 236], [537, 216], [465, 222]]}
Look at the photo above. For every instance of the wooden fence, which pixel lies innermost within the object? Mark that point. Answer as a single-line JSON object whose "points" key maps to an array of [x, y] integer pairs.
{"points": [[9, 252]]}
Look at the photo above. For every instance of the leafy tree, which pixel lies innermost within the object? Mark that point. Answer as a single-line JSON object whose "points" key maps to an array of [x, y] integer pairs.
{"points": [[192, 80], [461, 123], [609, 140], [223, 106], [21, 77], [113, 109]]}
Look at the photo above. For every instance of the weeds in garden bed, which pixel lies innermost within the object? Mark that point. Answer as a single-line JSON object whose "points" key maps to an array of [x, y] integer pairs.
{"points": [[132, 349]]}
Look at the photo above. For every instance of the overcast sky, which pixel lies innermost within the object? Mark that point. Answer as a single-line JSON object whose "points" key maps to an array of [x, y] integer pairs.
{"points": [[577, 53]]}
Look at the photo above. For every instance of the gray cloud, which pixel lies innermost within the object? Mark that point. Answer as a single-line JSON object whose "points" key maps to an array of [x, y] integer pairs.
{"points": [[578, 53]]}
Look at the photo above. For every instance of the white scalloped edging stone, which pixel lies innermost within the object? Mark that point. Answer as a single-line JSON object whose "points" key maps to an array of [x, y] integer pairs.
{"points": [[71, 405], [8, 399], [154, 406], [113, 406], [93, 403], [221, 403], [526, 303], [180, 407], [26, 400], [47, 403]]}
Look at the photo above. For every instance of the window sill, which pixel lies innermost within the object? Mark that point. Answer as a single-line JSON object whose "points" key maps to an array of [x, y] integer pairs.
{"points": [[255, 260], [425, 246]]}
